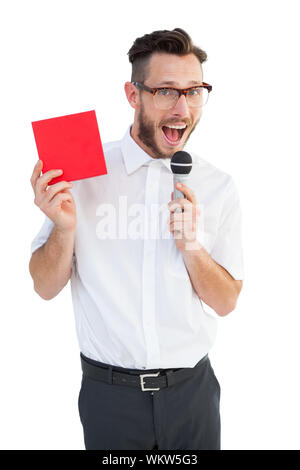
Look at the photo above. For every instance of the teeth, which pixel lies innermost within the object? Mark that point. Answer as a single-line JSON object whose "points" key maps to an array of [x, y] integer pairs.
{"points": [[177, 127]]}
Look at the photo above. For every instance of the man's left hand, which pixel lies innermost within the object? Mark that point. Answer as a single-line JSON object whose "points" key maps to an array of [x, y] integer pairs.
{"points": [[183, 225]]}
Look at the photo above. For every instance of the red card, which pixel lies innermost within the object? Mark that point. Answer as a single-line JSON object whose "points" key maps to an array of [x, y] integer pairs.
{"points": [[71, 143]]}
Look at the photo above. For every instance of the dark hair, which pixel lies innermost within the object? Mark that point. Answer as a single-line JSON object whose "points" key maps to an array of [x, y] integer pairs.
{"points": [[173, 42]]}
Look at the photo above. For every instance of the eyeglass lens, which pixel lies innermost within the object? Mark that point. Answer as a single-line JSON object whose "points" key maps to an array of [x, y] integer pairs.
{"points": [[167, 98]]}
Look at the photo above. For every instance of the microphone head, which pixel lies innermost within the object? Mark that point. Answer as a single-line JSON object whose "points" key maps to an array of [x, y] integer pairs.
{"points": [[181, 163]]}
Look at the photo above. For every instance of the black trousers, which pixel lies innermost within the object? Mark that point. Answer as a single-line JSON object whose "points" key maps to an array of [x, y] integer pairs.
{"points": [[183, 416]]}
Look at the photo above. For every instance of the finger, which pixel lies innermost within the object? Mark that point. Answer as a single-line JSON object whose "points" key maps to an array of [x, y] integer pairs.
{"points": [[186, 217], [43, 180], [176, 217], [56, 188], [177, 233], [178, 203], [188, 209], [59, 198], [196, 214], [36, 173], [174, 204], [188, 192], [176, 225]]}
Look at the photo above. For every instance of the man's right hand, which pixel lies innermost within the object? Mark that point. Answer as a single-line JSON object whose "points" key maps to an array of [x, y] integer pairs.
{"points": [[55, 201]]}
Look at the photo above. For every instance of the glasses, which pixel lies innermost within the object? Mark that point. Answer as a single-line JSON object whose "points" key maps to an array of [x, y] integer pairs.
{"points": [[166, 98]]}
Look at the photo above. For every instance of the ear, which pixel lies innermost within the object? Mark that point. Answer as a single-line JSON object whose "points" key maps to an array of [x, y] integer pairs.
{"points": [[132, 95]]}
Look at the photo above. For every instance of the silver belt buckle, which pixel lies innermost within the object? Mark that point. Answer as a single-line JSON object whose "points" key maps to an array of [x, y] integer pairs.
{"points": [[142, 381]]}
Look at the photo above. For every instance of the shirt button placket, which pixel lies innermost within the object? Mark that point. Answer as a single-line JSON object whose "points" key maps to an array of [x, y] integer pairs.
{"points": [[149, 267]]}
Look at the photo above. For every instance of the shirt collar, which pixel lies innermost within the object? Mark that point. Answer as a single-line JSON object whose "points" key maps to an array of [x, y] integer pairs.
{"points": [[134, 156]]}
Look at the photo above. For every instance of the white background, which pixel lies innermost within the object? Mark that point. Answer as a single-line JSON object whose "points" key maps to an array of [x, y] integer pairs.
{"points": [[62, 57]]}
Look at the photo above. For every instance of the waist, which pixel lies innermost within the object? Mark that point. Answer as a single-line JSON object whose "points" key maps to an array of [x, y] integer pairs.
{"points": [[143, 379]]}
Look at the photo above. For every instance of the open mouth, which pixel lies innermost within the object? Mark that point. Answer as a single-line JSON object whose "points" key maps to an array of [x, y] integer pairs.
{"points": [[173, 134]]}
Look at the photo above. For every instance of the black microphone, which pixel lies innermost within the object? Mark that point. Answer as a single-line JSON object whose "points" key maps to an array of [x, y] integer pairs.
{"points": [[181, 166]]}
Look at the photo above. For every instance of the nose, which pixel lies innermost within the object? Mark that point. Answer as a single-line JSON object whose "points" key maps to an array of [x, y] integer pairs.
{"points": [[181, 108]]}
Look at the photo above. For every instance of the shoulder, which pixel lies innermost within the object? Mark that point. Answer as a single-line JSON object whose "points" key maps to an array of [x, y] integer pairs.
{"points": [[113, 157], [111, 147], [213, 186], [212, 176]]}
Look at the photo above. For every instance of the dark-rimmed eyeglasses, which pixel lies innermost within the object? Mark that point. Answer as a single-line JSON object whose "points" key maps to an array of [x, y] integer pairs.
{"points": [[167, 97]]}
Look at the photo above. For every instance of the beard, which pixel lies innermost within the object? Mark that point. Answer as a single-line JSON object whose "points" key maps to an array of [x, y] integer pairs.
{"points": [[146, 134]]}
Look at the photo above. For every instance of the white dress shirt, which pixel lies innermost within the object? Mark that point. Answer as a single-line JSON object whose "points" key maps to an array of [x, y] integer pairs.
{"points": [[133, 300]]}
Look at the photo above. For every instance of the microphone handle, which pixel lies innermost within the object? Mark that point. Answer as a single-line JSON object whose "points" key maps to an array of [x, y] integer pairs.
{"points": [[178, 194]]}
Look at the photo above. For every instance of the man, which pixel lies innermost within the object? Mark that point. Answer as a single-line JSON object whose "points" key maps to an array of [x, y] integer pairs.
{"points": [[138, 285]]}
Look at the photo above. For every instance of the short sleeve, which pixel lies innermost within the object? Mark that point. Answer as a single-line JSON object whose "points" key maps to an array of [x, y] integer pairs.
{"points": [[227, 249], [43, 234]]}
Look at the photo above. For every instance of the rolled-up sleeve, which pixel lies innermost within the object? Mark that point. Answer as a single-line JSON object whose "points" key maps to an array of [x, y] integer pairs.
{"points": [[228, 249], [42, 235]]}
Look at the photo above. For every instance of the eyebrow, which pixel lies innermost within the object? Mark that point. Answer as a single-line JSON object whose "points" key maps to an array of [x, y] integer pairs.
{"points": [[170, 82]]}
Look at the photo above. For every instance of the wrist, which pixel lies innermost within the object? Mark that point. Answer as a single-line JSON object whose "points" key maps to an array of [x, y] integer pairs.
{"points": [[67, 232], [191, 247]]}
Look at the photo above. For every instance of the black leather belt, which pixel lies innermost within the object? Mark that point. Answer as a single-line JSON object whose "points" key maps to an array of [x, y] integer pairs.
{"points": [[145, 381]]}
